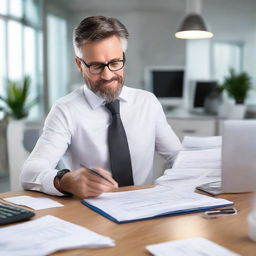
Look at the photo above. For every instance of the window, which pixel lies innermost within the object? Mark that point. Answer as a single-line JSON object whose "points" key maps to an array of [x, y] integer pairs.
{"points": [[14, 50], [2, 55], [225, 56], [57, 57], [3, 7], [21, 46], [15, 8]]}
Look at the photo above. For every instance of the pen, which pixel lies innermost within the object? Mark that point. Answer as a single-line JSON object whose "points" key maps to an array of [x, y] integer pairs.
{"points": [[221, 211], [96, 173]]}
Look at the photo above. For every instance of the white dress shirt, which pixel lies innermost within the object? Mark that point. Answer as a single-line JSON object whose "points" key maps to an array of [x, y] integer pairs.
{"points": [[76, 128]]}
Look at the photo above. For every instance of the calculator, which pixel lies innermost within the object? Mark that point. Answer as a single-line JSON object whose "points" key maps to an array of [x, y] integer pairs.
{"points": [[10, 213]]}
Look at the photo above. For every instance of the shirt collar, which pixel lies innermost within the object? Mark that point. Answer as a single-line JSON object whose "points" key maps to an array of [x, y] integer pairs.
{"points": [[96, 101]]}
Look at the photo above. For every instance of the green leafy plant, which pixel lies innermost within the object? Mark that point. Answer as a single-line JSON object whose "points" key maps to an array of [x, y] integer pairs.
{"points": [[237, 86], [16, 99]]}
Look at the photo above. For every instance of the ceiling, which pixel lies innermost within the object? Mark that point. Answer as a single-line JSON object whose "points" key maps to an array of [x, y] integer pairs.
{"points": [[122, 5]]}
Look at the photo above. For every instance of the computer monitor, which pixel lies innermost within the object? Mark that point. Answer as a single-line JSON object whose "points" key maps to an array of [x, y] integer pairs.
{"points": [[167, 83], [201, 89]]}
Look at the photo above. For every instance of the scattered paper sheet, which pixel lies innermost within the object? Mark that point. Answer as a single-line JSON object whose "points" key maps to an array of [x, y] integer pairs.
{"points": [[36, 203], [189, 247], [47, 235], [151, 202], [202, 142]]}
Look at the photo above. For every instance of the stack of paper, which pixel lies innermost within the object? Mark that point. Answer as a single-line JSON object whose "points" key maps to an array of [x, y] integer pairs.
{"points": [[203, 158], [47, 235], [187, 179], [149, 203], [189, 247], [202, 142], [199, 163]]}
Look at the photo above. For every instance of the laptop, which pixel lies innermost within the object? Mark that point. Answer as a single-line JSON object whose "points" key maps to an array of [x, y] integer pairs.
{"points": [[238, 159]]}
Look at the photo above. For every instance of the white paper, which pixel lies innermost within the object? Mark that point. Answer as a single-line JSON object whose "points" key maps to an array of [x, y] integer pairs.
{"points": [[207, 158], [36, 203], [144, 203], [189, 247], [47, 235], [202, 142], [188, 179]]}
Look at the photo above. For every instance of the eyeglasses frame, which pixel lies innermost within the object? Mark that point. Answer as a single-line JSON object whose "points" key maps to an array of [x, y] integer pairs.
{"points": [[103, 65]]}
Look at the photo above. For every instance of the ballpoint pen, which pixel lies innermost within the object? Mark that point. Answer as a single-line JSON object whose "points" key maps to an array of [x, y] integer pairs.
{"points": [[97, 173]]}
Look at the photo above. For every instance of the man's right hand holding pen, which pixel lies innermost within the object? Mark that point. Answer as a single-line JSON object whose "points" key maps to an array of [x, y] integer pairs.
{"points": [[85, 182]]}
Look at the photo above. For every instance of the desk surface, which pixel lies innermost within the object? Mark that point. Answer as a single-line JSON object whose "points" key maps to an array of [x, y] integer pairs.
{"points": [[131, 238]]}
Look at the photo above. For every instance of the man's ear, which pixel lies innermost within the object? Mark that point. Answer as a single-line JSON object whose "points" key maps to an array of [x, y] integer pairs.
{"points": [[79, 64]]}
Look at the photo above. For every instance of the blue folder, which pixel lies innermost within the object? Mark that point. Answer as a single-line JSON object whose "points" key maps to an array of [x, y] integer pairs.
{"points": [[172, 213]]}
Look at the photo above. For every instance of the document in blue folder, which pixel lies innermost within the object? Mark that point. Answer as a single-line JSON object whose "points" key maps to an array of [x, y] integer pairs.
{"points": [[159, 201]]}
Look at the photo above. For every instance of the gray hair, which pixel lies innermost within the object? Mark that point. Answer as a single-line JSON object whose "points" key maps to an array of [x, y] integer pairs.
{"points": [[96, 28]]}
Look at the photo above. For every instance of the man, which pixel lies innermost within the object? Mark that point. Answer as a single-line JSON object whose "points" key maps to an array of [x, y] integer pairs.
{"points": [[85, 132]]}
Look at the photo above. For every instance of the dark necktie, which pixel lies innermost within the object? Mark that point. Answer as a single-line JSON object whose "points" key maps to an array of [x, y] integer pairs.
{"points": [[118, 148]]}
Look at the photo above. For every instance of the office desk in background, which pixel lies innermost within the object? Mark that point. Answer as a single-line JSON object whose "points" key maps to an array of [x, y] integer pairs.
{"points": [[131, 238]]}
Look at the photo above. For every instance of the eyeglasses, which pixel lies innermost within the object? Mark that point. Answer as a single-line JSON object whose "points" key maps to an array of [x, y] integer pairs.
{"points": [[96, 68]]}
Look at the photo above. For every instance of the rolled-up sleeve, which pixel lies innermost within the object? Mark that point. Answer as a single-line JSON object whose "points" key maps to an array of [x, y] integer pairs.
{"points": [[39, 169]]}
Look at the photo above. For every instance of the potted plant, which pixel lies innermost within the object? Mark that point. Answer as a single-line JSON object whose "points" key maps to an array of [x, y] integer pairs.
{"points": [[16, 108], [237, 87], [16, 98]]}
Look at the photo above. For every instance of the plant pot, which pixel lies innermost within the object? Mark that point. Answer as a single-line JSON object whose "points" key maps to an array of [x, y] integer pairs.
{"points": [[3, 149], [16, 152], [237, 112]]}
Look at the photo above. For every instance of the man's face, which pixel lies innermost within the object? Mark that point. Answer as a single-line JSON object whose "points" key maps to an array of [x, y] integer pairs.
{"points": [[108, 84]]}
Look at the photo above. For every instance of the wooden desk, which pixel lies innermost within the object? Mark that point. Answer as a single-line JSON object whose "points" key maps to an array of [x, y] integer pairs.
{"points": [[131, 238]]}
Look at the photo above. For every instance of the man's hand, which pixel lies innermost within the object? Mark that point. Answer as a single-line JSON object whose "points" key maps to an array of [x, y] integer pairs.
{"points": [[83, 183]]}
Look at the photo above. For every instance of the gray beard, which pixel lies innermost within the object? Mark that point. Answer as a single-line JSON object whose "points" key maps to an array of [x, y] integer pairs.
{"points": [[105, 93]]}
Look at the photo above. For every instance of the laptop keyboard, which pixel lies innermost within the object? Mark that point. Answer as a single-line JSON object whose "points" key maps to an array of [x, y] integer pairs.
{"points": [[10, 213]]}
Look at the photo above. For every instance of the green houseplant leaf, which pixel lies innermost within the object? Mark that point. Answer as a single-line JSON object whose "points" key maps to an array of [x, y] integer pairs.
{"points": [[237, 86], [16, 98]]}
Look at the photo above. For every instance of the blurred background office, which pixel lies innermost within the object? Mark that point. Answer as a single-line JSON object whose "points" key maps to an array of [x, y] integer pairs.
{"points": [[36, 40]]}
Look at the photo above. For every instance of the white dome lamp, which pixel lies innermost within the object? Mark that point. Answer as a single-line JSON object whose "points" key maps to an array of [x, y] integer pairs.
{"points": [[193, 26]]}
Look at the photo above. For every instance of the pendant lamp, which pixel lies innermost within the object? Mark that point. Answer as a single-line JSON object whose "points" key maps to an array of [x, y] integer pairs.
{"points": [[193, 26]]}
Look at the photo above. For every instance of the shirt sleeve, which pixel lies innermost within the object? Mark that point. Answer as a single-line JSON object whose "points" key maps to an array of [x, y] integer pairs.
{"points": [[39, 169], [167, 143]]}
